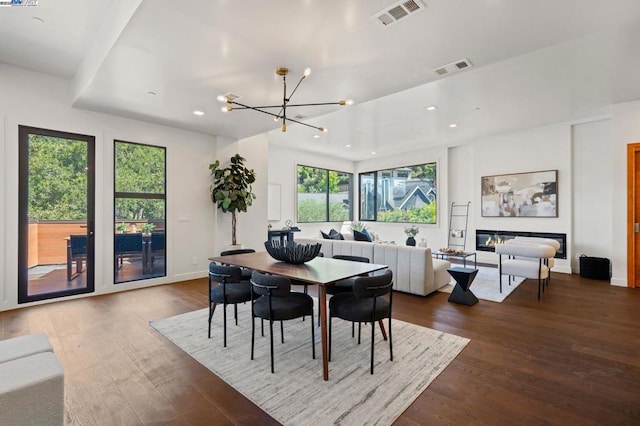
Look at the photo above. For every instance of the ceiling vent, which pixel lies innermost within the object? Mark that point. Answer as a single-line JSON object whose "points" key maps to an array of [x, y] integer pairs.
{"points": [[453, 67], [398, 11]]}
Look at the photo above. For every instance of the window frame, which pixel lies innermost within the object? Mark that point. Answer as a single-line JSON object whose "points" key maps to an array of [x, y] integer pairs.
{"points": [[327, 193], [376, 174], [140, 195]]}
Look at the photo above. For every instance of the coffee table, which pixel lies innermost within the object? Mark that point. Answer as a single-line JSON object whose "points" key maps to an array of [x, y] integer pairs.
{"points": [[461, 293]]}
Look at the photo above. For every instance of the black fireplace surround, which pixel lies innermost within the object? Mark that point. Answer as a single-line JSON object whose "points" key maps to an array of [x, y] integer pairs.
{"points": [[487, 239]]}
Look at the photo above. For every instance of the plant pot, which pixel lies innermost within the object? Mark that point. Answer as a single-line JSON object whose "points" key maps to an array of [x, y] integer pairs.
{"points": [[411, 241]]}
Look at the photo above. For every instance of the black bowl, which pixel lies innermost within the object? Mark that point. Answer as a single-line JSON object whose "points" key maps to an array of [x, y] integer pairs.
{"points": [[292, 252]]}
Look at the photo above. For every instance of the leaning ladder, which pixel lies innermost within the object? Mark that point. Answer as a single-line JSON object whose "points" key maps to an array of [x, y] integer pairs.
{"points": [[458, 221]]}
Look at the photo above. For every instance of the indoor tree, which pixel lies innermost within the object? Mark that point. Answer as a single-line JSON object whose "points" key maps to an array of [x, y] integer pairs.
{"points": [[231, 189]]}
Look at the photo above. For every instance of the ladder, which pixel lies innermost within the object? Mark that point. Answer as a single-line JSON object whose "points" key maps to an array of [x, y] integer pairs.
{"points": [[458, 220]]}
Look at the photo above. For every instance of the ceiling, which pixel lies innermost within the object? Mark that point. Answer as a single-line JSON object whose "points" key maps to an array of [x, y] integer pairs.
{"points": [[534, 62]]}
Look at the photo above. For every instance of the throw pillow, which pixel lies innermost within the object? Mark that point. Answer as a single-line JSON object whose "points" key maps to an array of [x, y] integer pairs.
{"points": [[335, 235], [368, 234], [325, 236], [360, 236]]}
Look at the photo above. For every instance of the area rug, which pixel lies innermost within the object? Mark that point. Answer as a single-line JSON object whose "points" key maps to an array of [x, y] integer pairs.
{"points": [[296, 394], [486, 285]]}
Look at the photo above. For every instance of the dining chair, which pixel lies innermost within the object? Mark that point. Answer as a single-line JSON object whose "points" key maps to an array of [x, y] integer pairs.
{"points": [[276, 302], [365, 304], [246, 272], [230, 290]]}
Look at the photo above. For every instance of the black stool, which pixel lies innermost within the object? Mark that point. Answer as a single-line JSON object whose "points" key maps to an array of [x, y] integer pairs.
{"points": [[461, 293]]}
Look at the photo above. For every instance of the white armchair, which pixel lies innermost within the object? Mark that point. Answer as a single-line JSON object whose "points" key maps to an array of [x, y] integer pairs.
{"points": [[530, 262]]}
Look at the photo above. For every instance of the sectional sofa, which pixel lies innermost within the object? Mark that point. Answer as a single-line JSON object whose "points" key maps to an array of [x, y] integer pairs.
{"points": [[414, 269]]}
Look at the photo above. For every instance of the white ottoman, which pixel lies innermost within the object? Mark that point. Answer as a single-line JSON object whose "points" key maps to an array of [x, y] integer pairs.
{"points": [[32, 391]]}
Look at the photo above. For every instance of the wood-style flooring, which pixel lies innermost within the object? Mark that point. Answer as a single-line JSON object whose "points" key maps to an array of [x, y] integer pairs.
{"points": [[571, 358]]}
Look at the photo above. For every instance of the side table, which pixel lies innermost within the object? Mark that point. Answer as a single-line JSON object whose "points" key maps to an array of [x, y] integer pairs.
{"points": [[461, 293]]}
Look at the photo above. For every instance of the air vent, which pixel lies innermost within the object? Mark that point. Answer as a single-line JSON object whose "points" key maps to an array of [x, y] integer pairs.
{"points": [[232, 96], [456, 66], [398, 11], [300, 117]]}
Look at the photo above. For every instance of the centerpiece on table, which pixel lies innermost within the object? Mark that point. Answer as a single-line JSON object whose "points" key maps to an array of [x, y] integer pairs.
{"points": [[292, 252], [411, 231]]}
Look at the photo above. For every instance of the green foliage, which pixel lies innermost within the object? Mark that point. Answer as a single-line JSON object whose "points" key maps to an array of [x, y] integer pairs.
{"points": [[57, 178], [232, 185], [231, 189], [425, 214], [310, 210], [139, 169], [358, 226], [147, 228], [312, 180]]}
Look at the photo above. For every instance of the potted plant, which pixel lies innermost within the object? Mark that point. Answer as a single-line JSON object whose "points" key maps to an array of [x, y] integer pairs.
{"points": [[146, 229], [231, 188], [411, 231], [121, 227]]}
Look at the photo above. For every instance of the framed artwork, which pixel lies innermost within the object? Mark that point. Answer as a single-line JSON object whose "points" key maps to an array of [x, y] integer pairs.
{"points": [[530, 194]]}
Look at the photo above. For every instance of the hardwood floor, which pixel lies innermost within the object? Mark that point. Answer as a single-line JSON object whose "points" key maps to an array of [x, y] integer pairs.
{"points": [[572, 358]]}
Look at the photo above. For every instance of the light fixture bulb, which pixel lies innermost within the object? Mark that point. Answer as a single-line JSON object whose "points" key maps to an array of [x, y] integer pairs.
{"points": [[226, 109], [276, 118], [348, 102], [323, 129], [222, 98], [306, 72], [284, 127]]}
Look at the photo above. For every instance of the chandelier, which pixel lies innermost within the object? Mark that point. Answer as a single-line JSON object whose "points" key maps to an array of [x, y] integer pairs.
{"points": [[282, 114]]}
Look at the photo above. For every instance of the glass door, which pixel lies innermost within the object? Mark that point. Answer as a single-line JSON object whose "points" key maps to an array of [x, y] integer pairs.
{"points": [[56, 214]]}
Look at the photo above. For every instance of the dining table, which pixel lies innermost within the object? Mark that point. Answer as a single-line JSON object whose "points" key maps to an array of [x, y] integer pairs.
{"points": [[323, 271]]}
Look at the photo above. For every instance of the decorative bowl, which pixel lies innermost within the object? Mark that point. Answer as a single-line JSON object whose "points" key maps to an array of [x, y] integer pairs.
{"points": [[292, 252]]}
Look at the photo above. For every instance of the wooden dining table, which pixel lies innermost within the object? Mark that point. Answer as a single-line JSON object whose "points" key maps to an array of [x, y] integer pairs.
{"points": [[323, 271]]}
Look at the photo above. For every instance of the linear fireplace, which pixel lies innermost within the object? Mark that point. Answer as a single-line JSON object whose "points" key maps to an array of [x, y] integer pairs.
{"points": [[487, 239]]}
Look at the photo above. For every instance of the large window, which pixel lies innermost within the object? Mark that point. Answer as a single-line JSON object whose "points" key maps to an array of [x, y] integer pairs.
{"points": [[403, 194], [139, 211], [323, 195]]}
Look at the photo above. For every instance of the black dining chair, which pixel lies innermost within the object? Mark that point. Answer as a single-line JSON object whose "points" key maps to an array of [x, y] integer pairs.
{"points": [[276, 302], [246, 272], [230, 290], [365, 304], [345, 286]]}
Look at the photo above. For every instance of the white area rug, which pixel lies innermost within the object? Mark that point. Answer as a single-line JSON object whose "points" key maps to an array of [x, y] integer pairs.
{"points": [[296, 393], [486, 285]]}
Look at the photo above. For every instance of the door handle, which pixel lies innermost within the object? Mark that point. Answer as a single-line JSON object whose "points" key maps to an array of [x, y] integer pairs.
{"points": [[636, 227]]}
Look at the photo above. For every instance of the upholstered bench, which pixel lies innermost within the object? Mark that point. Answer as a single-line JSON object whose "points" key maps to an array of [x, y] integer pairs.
{"points": [[22, 346], [523, 266], [32, 391]]}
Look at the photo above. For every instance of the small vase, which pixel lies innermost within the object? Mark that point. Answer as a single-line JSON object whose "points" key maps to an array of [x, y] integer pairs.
{"points": [[411, 241]]}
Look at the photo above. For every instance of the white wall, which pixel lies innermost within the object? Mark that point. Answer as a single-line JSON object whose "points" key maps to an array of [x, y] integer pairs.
{"points": [[542, 148], [38, 100], [625, 129], [592, 196]]}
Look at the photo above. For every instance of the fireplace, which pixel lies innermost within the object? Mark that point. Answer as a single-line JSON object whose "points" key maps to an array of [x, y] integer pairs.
{"points": [[487, 239]]}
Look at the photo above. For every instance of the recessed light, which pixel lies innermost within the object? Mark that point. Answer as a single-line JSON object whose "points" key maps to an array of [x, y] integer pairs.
{"points": [[373, 153], [316, 136], [453, 125], [431, 108], [198, 113], [347, 146], [38, 19], [150, 93]]}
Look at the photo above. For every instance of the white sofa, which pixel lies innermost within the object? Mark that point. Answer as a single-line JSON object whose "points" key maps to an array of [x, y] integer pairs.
{"points": [[414, 269]]}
